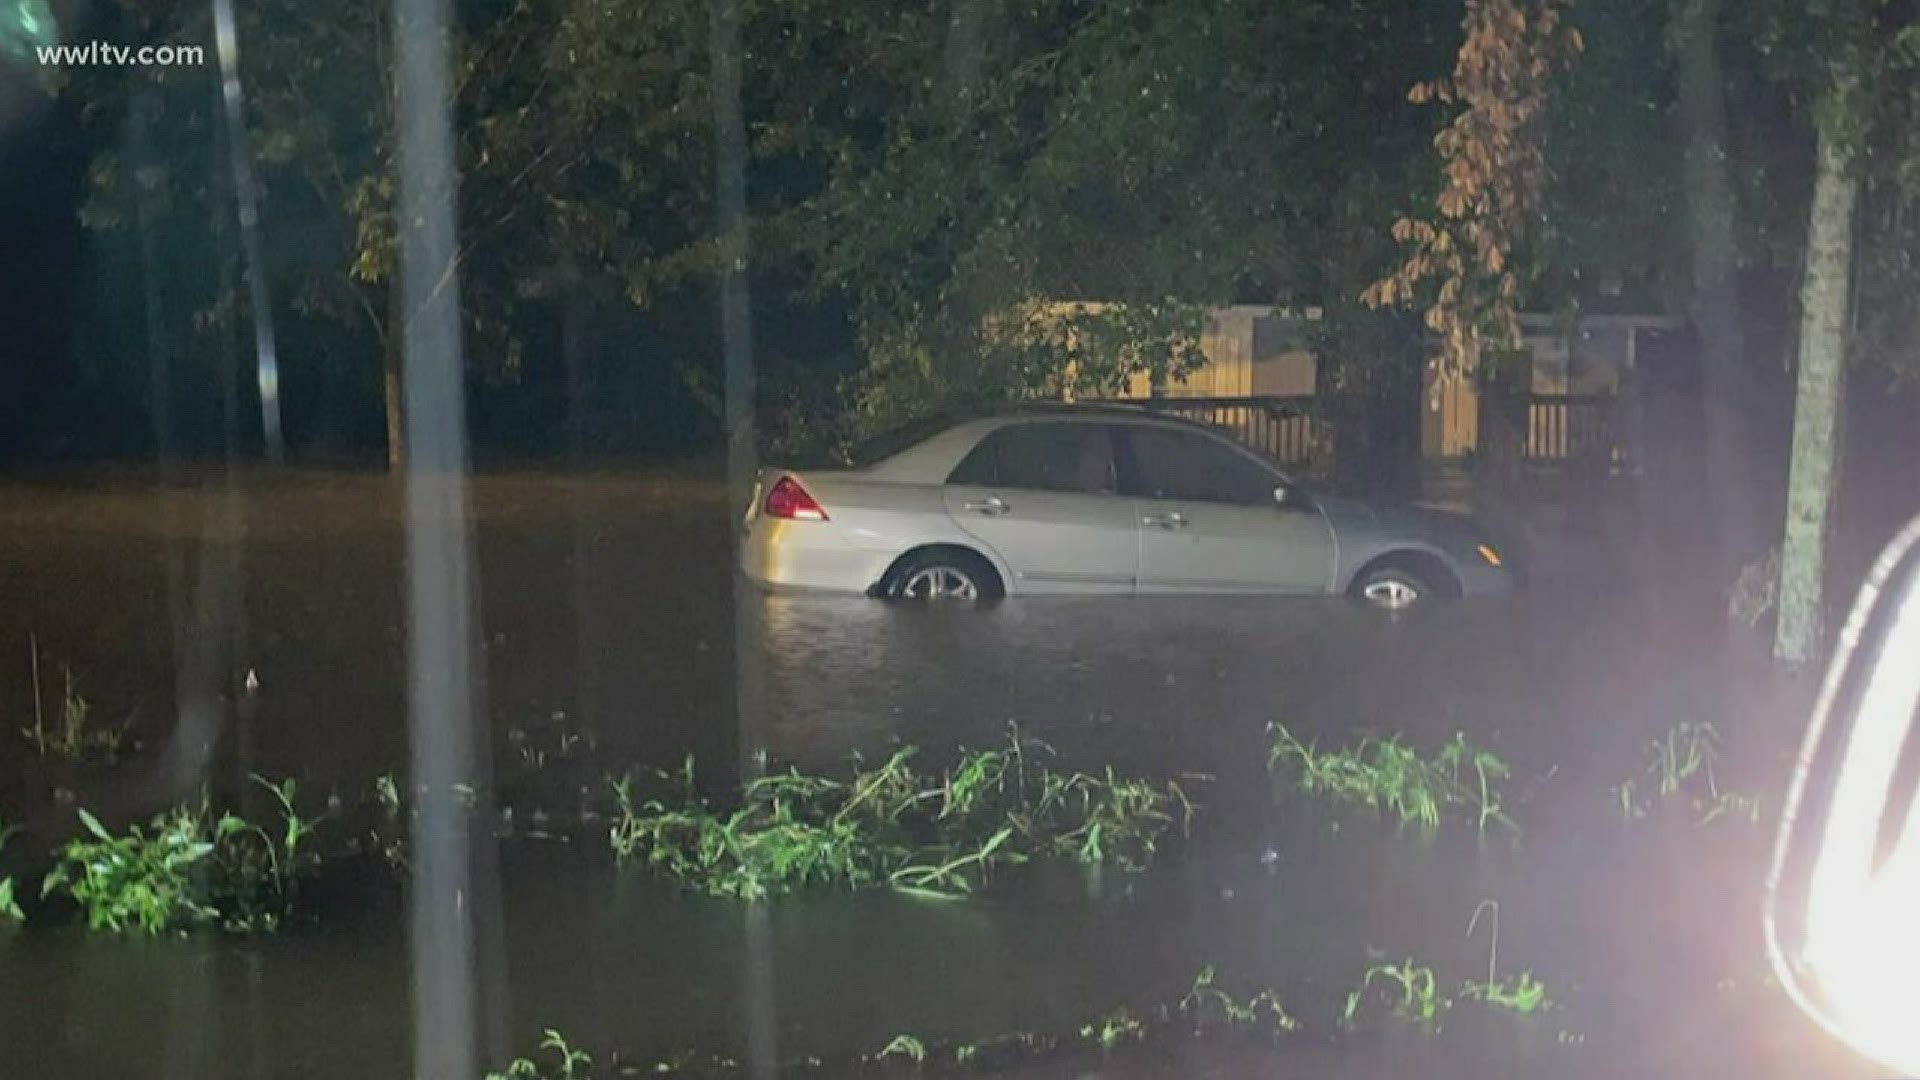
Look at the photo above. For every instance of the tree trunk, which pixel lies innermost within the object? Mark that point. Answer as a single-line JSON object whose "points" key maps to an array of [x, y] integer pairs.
{"points": [[391, 378], [1726, 393], [1817, 398]]}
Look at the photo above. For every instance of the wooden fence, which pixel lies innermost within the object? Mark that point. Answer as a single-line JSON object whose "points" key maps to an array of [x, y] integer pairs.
{"points": [[1284, 428], [1542, 433]]}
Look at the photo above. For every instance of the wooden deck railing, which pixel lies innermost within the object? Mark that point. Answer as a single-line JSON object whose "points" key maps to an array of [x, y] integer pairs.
{"points": [[1542, 431], [1570, 428], [1284, 428]]}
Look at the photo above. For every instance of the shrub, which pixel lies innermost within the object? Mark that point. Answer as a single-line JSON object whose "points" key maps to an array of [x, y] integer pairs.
{"points": [[187, 869]]}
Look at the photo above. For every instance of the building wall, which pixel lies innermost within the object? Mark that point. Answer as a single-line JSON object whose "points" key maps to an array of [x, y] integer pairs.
{"points": [[1251, 351]]}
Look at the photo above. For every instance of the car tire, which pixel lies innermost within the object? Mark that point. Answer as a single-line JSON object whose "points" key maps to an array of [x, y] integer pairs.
{"points": [[1393, 587], [943, 575]]}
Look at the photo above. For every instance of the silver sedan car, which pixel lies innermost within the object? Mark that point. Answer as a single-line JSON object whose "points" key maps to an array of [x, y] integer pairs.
{"points": [[1097, 500]]}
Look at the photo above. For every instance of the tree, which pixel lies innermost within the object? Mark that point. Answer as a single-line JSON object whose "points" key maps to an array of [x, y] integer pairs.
{"points": [[319, 85], [1154, 158], [1496, 179], [1824, 303], [1856, 59]]}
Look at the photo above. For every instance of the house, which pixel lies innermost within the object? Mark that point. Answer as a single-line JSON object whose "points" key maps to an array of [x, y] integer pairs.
{"points": [[1261, 376]]}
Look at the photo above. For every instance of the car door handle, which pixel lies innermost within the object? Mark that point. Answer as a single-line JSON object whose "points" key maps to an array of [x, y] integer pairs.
{"points": [[1171, 520], [992, 506]]}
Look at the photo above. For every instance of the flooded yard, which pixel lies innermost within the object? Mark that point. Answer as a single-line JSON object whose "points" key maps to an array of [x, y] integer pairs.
{"points": [[609, 641]]}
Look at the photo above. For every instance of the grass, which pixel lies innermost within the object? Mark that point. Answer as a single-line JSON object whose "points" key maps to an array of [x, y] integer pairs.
{"points": [[1409, 990], [891, 825], [1116, 1027], [906, 1046], [1524, 994], [389, 835], [1205, 1005], [75, 737], [552, 740], [1205, 1001], [187, 869], [1390, 776], [9, 904], [1681, 763], [568, 1063]]}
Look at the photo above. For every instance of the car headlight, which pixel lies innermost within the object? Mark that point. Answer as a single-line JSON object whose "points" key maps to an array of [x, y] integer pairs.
{"points": [[1489, 554]]}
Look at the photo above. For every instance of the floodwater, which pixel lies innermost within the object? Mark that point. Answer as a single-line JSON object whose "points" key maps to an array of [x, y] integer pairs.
{"points": [[608, 641]]}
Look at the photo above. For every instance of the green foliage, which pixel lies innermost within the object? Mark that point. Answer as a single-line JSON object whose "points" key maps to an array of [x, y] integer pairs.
{"points": [[9, 904], [906, 1046], [1407, 990], [916, 172], [1205, 1002], [1524, 994], [77, 737], [568, 1063], [389, 836], [1114, 1028], [894, 826], [1680, 763], [1389, 775], [142, 881], [387, 791], [1031, 348], [187, 869]]}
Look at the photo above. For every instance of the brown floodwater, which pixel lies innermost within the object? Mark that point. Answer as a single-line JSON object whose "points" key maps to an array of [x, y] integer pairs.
{"points": [[608, 641]]}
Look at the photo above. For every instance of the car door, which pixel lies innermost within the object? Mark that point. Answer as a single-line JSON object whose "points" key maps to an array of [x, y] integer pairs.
{"points": [[1043, 495], [1210, 520]]}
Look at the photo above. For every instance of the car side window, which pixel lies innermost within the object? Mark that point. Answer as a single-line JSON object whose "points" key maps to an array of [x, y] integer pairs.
{"points": [[1167, 463], [1042, 457]]}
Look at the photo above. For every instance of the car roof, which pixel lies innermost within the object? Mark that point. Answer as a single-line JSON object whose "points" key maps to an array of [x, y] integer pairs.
{"points": [[934, 458]]}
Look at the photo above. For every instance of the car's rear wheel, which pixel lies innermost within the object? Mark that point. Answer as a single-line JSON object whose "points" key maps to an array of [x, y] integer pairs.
{"points": [[942, 575], [1393, 588]]}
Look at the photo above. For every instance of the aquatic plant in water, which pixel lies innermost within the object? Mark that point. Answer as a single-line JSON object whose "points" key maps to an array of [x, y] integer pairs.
{"points": [[1204, 1001], [891, 825], [9, 904], [1410, 991], [906, 1046], [1681, 762], [1391, 776], [568, 1063], [1116, 1027], [1524, 994], [76, 737], [188, 868]]}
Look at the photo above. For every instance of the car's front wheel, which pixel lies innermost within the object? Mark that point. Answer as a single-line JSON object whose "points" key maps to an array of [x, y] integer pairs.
{"points": [[1393, 588], [942, 575]]}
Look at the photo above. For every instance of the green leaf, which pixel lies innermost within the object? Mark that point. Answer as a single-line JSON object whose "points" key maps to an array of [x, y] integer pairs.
{"points": [[93, 825]]}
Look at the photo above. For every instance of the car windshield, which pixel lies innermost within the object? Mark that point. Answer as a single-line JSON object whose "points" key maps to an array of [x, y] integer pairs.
{"points": [[456, 622]]}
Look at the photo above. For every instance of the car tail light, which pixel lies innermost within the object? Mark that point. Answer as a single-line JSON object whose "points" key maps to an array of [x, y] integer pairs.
{"points": [[789, 500]]}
